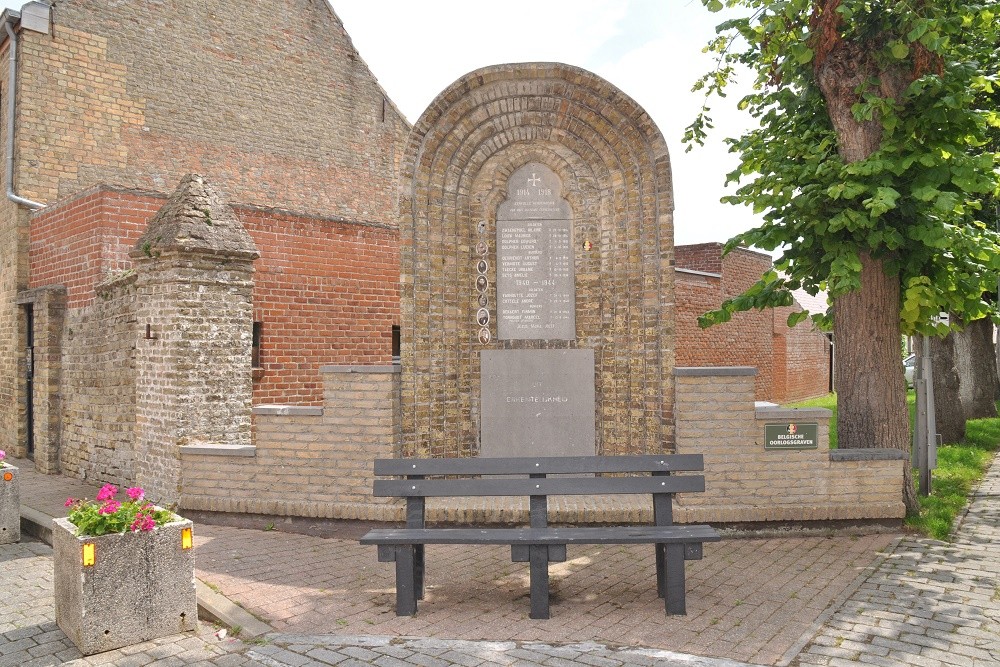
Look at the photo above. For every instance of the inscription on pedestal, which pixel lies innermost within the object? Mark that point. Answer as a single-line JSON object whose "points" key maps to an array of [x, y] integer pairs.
{"points": [[537, 403], [536, 297]]}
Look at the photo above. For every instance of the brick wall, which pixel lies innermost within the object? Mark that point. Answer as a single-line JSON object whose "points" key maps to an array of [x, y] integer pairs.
{"points": [[269, 100], [98, 385], [326, 290], [746, 483], [792, 364], [314, 462]]}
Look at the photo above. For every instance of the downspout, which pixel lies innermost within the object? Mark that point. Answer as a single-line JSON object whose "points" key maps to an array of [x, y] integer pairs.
{"points": [[11, 108]]}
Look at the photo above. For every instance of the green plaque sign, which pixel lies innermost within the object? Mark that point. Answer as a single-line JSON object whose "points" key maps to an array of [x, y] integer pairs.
{"points": [[791, 435]]}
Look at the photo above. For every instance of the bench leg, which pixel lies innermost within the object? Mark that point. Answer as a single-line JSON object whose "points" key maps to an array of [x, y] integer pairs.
{"points": [[539, 572], [406, 599], [674, 584], [661, 576], [418, 570]]}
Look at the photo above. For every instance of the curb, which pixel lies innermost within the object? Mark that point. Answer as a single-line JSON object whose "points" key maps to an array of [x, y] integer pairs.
{"points": [[212, 606]]}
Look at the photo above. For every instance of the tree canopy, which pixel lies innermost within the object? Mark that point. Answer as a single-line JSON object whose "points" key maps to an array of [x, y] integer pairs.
{"points": [[877, 138]]}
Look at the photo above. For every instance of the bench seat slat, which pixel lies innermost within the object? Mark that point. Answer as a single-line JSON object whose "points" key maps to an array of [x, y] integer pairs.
{"points": [[553, 486], [549, 465], [552, 535]]}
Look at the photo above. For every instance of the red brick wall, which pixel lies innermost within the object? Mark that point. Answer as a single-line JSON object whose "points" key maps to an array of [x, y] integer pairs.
{"points": [[325, 290], [705, 257], [79, 242], [806, 366], [791, 363]]}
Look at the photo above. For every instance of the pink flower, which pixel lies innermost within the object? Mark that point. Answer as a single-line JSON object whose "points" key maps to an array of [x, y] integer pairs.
{"points": [[143, 522], [69, 502], [3, 454], [110, 507], [107, 492], [135, 493]]}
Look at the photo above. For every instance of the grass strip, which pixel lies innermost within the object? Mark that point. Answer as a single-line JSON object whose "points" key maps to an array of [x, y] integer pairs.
{"points": [[960, 466]]}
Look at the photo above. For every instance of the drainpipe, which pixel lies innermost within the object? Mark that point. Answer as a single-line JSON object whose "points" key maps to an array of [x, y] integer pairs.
{"points": [[11, 99]]}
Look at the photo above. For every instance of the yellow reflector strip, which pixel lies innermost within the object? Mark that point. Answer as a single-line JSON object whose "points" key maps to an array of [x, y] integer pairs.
{"points": [[88, 554], [187, 540]]}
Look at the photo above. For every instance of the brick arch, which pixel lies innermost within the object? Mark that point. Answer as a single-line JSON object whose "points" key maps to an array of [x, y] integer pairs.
{"points": [[615, 170]]}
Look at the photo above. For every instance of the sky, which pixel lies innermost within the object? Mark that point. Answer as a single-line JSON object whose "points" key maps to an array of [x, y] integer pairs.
{"points": [[649, 49]]}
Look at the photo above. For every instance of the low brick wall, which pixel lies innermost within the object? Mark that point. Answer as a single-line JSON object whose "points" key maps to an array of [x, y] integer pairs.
{"points": [[306, 461], [744, 482]]}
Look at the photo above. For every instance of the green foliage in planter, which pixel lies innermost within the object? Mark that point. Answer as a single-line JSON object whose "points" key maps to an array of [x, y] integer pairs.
{"points": [[108, 515]]}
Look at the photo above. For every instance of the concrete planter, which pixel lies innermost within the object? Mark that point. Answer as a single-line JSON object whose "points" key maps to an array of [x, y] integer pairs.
{"points": [[140, 586], [10, 504]]}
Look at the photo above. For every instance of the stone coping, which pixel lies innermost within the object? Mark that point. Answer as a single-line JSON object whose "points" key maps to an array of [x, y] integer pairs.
{"points": [[875, 454], [767, 413], [383, 368], [698, 273], [219, 450], [289, 410], [710, 371]]}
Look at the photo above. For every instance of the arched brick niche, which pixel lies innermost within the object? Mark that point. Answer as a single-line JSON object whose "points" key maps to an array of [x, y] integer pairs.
{"points": [[614, 170]]}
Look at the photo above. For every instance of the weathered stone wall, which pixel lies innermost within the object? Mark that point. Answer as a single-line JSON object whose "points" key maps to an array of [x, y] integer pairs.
{"points": [[746, 483], [97, 440], [615, 173], [268, 100], [307, 461]]}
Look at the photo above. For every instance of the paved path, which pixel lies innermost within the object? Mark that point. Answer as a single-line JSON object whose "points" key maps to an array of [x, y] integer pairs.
{"points": [[875, 600], [748, 599], [929, 603], [29, 636]]}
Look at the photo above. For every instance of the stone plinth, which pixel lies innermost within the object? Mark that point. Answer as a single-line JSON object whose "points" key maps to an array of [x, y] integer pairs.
{"points": [[140, 587], [10, 505]]}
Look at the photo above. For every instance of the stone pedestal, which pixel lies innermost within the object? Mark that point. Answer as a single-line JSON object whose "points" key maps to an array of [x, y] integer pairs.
{"points": [[10, 505], [140, 586]]}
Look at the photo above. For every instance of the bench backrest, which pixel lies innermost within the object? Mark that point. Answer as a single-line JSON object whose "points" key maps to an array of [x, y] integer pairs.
{"points": [[529, 476], [453, 477]]}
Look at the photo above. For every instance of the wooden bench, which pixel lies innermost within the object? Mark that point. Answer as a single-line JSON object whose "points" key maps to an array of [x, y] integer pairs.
{"points": [[540, 544]]}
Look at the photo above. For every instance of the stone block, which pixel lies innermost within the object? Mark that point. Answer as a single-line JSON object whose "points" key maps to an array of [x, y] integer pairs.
{"points": [[10, 505], [140, 586]]}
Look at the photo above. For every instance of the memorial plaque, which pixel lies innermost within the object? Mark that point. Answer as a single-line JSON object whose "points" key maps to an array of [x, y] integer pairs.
{"points": [[791, 436], [537, 403], [536, 296]]}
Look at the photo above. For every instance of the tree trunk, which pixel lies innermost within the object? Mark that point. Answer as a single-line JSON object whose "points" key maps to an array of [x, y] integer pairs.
{"points": [[949, 413], [965, 378], [871, 390], [979, 400]]}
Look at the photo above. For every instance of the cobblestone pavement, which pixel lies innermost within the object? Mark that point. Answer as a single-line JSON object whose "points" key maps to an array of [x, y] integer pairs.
{"points": [[929, 604], [287, 650], [29, 636]]}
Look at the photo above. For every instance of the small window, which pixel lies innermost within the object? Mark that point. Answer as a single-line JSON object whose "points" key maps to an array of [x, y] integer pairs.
{"points": [[395, 343], [255, 344]]}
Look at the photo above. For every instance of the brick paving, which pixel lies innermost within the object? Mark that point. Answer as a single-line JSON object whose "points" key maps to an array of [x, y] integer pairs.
{"points": [[804, 601], [929, 604], [748, 599]]}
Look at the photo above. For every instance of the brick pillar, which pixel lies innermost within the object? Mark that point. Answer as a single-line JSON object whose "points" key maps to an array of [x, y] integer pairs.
{"points": [[195, 318]]}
